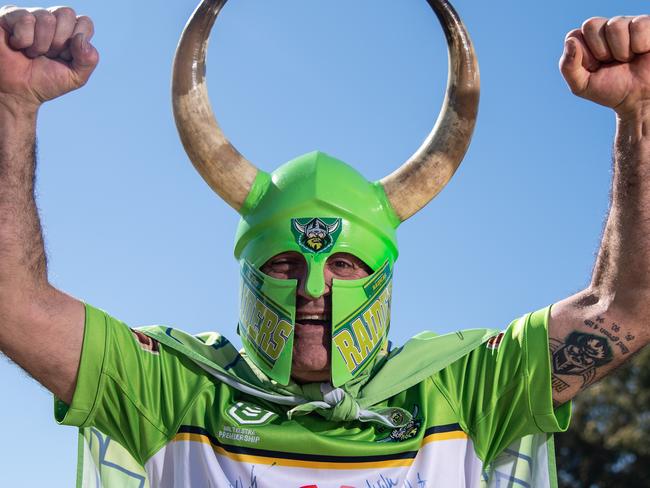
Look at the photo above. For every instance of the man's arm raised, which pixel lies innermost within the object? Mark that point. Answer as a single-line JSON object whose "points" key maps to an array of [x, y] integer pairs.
{"points": [[596, 330], [43, 54]]}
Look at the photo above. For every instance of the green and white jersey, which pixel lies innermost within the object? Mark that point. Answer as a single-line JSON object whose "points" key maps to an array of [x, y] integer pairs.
{"points": [[185, 428]]}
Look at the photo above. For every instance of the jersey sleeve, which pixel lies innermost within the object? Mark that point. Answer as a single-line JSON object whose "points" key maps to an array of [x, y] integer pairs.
{"points": [[129, 386], [501, 391]]}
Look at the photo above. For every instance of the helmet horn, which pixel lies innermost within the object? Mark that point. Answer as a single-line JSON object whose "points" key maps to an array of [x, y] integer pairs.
{"points": [[227, 172], [408, 189], [425, 174]]}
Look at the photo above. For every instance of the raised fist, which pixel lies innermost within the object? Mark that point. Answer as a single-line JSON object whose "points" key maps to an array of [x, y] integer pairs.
{"points": [[608, 61], [44, 53]]}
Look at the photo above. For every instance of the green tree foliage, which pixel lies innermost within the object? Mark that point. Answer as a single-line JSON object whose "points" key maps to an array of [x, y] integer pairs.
{"points": [[608, 443]]}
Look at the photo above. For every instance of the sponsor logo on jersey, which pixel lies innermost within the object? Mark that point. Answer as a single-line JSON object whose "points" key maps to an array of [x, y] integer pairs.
{"points": [[239, 434], [245, 413], [316, 235], [361, 335]]}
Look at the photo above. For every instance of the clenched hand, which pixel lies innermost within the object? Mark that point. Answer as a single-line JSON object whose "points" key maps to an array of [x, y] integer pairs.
{"points": [[608, 61], [44, 53]]}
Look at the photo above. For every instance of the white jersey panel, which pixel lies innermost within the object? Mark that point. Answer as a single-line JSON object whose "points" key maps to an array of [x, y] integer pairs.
{"points": [[197, 463]]}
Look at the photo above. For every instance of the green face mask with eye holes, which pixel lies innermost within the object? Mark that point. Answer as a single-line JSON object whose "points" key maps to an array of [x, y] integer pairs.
{"points": [[317, 206]]}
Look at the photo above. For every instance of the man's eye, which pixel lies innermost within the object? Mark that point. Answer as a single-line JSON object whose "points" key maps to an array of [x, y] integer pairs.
{"points": [[285, 266], [343, 268], [281, 264]]}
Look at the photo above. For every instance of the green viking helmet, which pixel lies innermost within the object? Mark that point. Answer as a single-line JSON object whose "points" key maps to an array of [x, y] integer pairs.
{"points": [[317, 206]]}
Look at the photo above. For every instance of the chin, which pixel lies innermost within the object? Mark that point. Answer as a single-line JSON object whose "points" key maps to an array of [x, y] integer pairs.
{"points": [[312, 368], [310, 376], [311, 354]]}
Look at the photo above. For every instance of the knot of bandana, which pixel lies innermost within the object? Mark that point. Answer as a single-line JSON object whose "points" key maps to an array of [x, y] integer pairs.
{"points": [[343, 406], [339, 406]]}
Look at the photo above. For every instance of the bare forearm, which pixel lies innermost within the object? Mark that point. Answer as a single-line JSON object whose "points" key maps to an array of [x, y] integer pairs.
{"points": [[622, 270], [21, 243]]}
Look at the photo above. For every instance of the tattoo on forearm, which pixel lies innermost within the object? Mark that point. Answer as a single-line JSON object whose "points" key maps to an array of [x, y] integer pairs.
{"points": [[613, 332], [579, 355], [582, 353]]}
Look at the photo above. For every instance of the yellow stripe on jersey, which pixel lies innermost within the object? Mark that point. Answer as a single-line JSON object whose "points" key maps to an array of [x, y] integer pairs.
{"points": [[268, 460]]}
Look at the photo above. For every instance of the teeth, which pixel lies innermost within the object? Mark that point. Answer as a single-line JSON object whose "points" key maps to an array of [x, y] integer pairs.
{"points": [[312, 317]]}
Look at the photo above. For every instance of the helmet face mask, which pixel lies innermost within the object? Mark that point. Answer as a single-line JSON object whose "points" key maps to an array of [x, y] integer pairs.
{"points": [[267, 320], [360, 323], [316, 206]]}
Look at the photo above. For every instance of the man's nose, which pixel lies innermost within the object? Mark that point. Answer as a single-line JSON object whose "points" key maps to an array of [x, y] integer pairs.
{"points": [[314, 283]]}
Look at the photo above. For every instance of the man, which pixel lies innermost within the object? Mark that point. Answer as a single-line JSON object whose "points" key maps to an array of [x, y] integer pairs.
{"points": [[581, 329]]}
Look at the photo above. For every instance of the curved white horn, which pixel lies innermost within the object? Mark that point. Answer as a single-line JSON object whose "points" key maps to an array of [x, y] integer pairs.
{"points": [[426, 173]]}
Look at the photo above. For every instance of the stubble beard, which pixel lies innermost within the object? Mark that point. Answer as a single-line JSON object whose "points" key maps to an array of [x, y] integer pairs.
{"points": [[312, 344]]}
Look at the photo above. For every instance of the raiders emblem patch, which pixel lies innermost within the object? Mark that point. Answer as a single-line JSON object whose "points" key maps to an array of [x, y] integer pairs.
{"points": [[406, 432], [316, 235]]}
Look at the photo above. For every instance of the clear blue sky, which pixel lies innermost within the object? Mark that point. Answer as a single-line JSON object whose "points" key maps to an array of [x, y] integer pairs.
{"points": [[131, 228]]}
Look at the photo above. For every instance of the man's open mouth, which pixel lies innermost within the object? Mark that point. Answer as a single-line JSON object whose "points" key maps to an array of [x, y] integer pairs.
{"points": [[314, 319]]}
